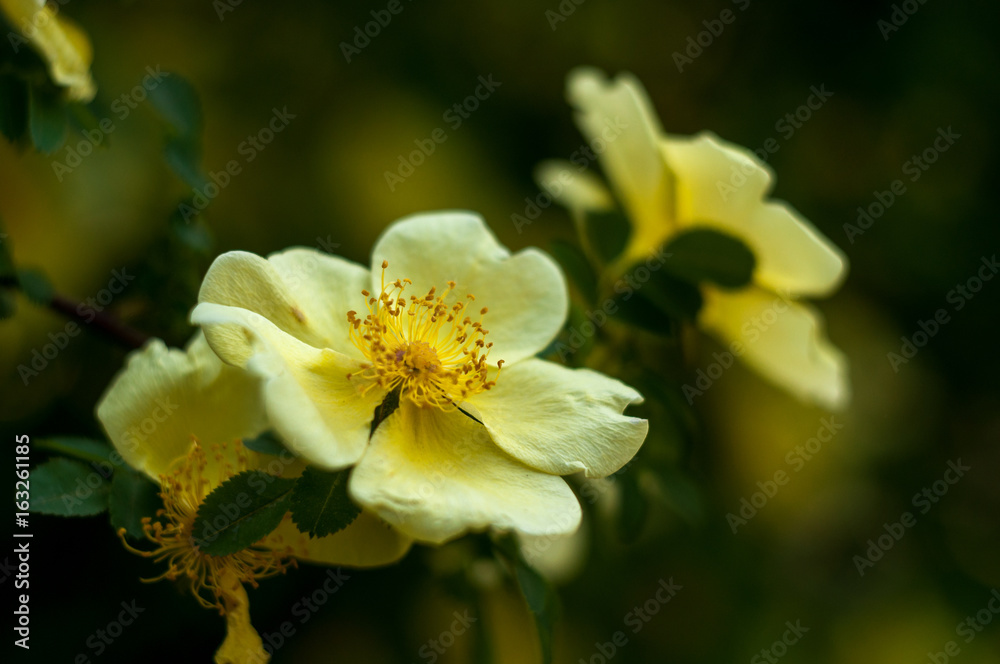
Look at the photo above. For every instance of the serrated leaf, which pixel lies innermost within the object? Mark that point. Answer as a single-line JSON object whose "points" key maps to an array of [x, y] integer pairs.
{"points": [[538, 593], [13, 108], [133, 496], [176, 101], [35, 285], [47, 120], [65, 487], [607, 232], [87, 449], [241, 511], [320, 503], [703, 254], [579, 269]]}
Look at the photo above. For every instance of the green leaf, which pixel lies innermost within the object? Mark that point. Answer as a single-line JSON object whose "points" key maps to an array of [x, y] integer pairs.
{"points": [[35, 285], [607, 233], [576, 265], [87, 449], [47, 120], [176, 101], [183, 155], [241, 511], [703, 254], [265, 443], [639, 312], [133, 496], [673, 297], [13, 108], [539, 594], [65, 487], [320, 504]]}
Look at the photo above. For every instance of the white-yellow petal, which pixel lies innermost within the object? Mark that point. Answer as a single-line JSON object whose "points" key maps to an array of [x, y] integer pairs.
{"points": [[304, 292], [619, 114], [578, 190], [64, 46], [725, 186], [165, 397], [562, 420], [525, 293], [435, 475], [368, 542], [320, 413], [781, 340]]}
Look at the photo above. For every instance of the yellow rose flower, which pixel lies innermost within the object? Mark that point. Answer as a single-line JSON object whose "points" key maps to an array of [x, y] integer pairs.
{"points": [[64, 46], [179, 417], [668, 184], [471, 445]]}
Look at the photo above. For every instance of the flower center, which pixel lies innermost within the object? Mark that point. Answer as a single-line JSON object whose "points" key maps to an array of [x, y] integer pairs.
{"points": [[431, 351], [183, 491]]}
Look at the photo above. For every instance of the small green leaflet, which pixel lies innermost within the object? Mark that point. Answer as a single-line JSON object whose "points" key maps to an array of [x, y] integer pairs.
{"points": [[86, 449], [703, 254], [241, 511], [47, 120], [65, 487], [320, 504]]}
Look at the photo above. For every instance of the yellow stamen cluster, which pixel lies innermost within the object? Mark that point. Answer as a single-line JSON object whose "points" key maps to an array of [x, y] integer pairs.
{"points": [[431, 351], [211, 577]]}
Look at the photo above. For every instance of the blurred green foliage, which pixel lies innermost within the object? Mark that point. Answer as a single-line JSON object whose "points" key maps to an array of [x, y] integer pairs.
{"points": [[321, 181]]}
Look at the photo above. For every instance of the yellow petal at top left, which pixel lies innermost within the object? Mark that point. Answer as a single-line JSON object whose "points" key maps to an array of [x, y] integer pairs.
{"points": [[64, 46]]}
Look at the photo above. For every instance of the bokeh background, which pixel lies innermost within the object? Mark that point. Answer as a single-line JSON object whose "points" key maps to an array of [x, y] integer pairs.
{"points": [[322, 183]]}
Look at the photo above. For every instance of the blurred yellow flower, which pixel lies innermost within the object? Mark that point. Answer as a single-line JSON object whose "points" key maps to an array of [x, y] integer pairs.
{"points": [[64, 46], [469, 445], [669, 184], [179, 417]]}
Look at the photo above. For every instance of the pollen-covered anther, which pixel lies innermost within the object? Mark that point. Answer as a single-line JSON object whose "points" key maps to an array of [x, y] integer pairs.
{"points": [[425, 346]]}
